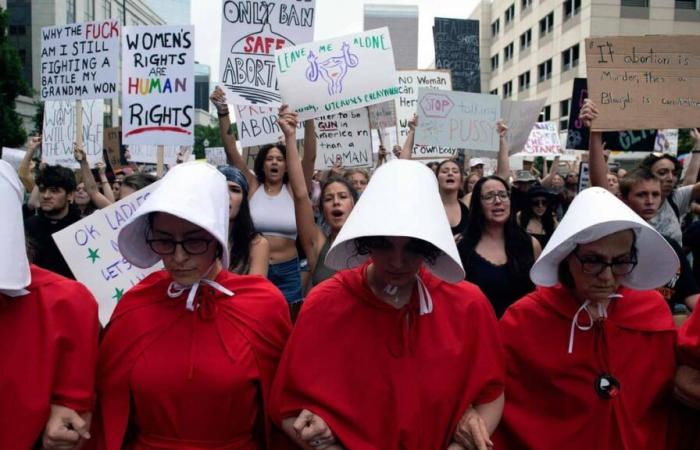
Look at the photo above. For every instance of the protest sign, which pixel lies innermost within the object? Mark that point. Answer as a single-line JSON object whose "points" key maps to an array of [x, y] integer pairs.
{"points": [[249, 36], [337, 75], [13, 156], [457, 49], [543, 140], [148, 154], [216, 156], [249, 155], [388, 138], [59, 132], [90, 249], [457, 120], [520, 117], [112, 144], [577, 136], [158, 85], [257, 125], [382, 115], [79, 60], [584, 179], [667, 141], [344, 137], [638, 81]]}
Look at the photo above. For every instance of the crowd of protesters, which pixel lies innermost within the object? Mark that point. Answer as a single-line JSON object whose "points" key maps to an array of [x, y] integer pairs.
{"points": [[401, 306]]}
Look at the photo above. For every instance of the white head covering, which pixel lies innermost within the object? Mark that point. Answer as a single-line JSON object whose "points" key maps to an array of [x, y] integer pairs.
{"points": [[401, 199], [594, 214], [14, 265]]}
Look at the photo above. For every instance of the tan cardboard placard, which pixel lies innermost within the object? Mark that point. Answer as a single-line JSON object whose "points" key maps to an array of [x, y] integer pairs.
{"points": [[641, 82], [112, 141]]}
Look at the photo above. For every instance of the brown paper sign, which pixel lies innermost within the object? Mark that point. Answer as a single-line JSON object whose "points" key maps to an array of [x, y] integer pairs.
{"points": [[641, 82], [112, 139]]}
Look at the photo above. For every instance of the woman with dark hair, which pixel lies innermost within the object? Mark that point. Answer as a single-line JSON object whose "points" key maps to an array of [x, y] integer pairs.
{"points": [[538, 219], [401, 325], [135, 182], [497, 254], [250, 251], [590, 355], [450, 180], [337, 199], [271, 201]]}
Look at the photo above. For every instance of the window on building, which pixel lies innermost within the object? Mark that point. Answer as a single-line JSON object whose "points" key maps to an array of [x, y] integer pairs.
{"points": [[508, 52], [544, 71], [494, 62], [524, 81], [70, 11], [494, 92], [510, 14], [89, 10], [547, 24], [17, 30], [571, 8], [507, 89], [525, 4], [496, 27], [569, 58], [564, 106], [688, 4], [526, 39], [107, 8], [545, 114], [636, 3]]}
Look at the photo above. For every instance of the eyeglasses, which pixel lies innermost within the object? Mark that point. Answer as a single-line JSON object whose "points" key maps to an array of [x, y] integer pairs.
{"points": [[596, 267], [190, 246], [540, 203], [491, 197]]}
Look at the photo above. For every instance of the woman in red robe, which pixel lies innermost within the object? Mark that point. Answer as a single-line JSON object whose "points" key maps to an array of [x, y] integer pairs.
{"points": [[590, 354], [189, 354], [48, 342], [394, 352]]}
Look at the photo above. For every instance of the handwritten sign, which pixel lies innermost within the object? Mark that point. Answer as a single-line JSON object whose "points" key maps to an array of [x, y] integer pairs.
{"points": [[667, 141], [158, 85], [389, 138], [543, 140], [457, 120], [577, 137], [257, 125], [59, 132], [344, 137], [216, 156], [90, 249], [13, 156], [638, 81], [457, 49], [79, 60], [382, 115], [520, 117], [337, 75], [250, 33], [149, 153]]}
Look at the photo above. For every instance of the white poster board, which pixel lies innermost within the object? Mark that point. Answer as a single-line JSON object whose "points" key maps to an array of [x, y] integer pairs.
{"points": [[389, 139], [148, 154], [667, 141], [344, 137], [257, 125], [58, 134], [337, 75], [520, 117], [382, 115], [79, 60], [249, 36], [216, 156], [543, 140], [158, 85], [458, 120], [90, 249], [13, 156]]}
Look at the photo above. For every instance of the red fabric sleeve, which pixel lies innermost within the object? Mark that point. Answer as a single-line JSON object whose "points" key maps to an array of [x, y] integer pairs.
{"points": [[689, 341]]}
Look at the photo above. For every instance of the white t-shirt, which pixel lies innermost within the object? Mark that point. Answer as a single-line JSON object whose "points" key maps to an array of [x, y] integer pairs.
{"points": [[666, 222]]}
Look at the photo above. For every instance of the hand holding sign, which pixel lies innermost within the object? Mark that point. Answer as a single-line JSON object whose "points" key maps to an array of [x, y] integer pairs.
{"points": [[589, 112]]}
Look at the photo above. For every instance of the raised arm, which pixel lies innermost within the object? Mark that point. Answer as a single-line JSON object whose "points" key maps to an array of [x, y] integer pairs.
{"points": [[90, 186], [597, 167], [25, 166], [307, 164], [381, 156], [502, 161], [234, 157], [547, 180], [407, 149]]}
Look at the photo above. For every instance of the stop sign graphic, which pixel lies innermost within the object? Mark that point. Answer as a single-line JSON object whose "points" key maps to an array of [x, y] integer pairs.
{"points": [[436, 105]]}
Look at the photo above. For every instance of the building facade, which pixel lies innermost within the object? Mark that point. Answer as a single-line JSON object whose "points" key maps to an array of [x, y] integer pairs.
{"points": [[402, 21], [535, 48]]}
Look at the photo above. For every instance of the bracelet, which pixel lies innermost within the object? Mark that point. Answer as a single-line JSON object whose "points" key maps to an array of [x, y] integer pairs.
{"points": [[222, 113]]}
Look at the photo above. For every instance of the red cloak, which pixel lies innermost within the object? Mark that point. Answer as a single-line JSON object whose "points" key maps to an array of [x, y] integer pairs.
{"points": [[48, 354], [195, 379], [689, 341], [551, 400], [384, 378]]}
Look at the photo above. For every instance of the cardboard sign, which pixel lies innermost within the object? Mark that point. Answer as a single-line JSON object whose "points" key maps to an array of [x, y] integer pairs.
{"points": [[337, 75], [344, 137], [257, 125], [148, 154], [457, 49], [13, 156], [250, 33], [543, 140], [457, 120], [667, 141], [382, 115], [577, 137], [520, 117], [158, 85], [90, 249], [216, 156], [638, 81], [79, 60], [112, 144], [59, 132]]}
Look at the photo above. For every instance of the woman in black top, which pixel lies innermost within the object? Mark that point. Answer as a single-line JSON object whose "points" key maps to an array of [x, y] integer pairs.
{"points": [[537, 218], [496, 253], [450, 180]]}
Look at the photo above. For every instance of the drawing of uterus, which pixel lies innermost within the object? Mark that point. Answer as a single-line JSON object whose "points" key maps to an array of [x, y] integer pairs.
{"points": [[333, 69]]}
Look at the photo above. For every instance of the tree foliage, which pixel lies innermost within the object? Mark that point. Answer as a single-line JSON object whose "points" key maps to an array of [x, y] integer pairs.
{"points": [[203, 133], [12, 84]]}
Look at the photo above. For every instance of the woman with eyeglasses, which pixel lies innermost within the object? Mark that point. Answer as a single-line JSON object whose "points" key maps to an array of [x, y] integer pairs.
{"points": [[538, 219], [590, 355], [188, 356], [496, 253]]}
